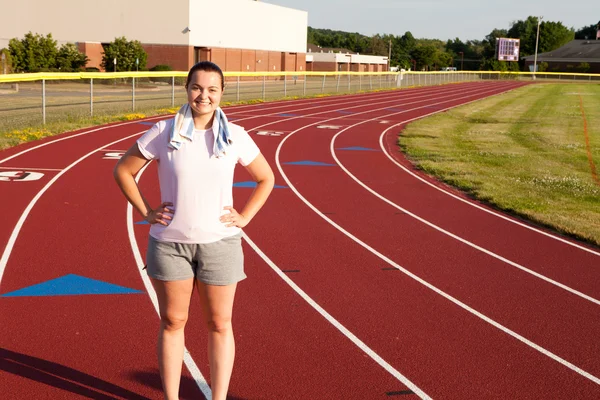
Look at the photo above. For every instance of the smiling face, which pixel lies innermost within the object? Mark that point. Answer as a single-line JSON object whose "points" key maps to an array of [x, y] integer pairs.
{"points": [[204, 90]]}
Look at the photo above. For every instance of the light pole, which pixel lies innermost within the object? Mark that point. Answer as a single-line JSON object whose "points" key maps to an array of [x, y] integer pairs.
{"points": [[462, 59], [495, 48], [537, 38]]}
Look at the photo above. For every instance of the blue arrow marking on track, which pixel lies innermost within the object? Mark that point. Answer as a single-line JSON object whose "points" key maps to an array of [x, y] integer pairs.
{"points": [[311, 163], [252, 184], [287, 115], [142, 223], [147, 123], [356, 148], [394, 109], [70, 285], [345, 112]]}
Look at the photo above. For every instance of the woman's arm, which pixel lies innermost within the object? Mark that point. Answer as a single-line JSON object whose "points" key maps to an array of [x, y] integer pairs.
{"points": [[262, 174], [128, 166]]}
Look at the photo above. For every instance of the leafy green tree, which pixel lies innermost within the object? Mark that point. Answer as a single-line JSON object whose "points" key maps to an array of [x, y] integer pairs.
{"points": [[408, 42], [33, 53], [490, 43], [7, 66], [424, 55], [126, 52], [443, 59], [69, 58], [552, 35], [588, 32], [526, 31]]}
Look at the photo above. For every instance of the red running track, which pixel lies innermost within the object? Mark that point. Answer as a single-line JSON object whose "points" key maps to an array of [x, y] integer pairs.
{"points": [[366, 280]]}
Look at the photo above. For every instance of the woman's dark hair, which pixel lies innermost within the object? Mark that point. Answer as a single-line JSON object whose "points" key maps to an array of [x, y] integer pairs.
{"points": [[208, 67]]}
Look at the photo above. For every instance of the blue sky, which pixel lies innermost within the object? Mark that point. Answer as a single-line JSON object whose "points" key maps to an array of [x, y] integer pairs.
{"points": [[465, 19]]}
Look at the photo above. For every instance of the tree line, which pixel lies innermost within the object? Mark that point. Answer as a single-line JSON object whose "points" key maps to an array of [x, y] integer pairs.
{"points": [[433, 54], [39, 53]]}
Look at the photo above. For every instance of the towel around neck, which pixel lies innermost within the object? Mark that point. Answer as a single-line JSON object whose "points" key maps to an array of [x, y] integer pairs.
{"points": [[183, 129]]}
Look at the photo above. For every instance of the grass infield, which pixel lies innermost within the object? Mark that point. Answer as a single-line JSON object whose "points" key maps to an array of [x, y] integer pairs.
{"points": [[533, 152]]}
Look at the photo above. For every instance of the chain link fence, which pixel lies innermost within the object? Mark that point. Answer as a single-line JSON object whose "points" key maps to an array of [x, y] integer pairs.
{"points": [[33, 100]]}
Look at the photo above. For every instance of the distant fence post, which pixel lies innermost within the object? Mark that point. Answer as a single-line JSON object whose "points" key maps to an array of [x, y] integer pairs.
{"points": [[237, 96], [304, 89], [91, 97], [133, 94], [173, 91], [44, 101]]}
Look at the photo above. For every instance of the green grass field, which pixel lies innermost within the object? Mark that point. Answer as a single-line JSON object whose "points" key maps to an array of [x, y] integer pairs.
{"points": [[524, 152]]}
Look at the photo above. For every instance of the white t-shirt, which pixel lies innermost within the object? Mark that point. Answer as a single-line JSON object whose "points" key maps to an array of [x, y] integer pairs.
{"points": [[198, 184]]}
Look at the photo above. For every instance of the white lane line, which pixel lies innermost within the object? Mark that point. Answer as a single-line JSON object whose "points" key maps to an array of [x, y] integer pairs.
{"points": [[321, 121], [381, 144], [352, 101], [187, 357], [8, 249], [440, 229], [359, 343], [189, 362], [25, 214], [31, 169], [12, 239], [335, 99], [71, 137], [349, 104], [425, 283]]}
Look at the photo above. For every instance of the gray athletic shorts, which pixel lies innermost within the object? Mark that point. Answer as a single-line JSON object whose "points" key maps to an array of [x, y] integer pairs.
{"points": [[217, 263]]}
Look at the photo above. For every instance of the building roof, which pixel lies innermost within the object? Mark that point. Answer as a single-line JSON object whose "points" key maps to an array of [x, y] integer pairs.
{"points": [[574, 51], [313, 48]]}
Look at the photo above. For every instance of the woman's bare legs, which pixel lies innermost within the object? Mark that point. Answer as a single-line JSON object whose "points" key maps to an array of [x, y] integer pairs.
{"points": [[174, 303], [217, 308]]}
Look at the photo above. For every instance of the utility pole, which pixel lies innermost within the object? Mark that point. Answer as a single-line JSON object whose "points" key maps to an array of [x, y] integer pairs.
{"points": [[537, 38], [390, 56]]}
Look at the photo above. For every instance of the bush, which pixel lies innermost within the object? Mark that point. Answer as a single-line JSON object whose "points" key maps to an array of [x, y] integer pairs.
{"points": [[126, 53], [583, 67], [161, 67], [38, 53]]}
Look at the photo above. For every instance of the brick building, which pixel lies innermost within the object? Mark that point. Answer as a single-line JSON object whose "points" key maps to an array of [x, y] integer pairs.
{"points": [[332, 59], [238, 35]]}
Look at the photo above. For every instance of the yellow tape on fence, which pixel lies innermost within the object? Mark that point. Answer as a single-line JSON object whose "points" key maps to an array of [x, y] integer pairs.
{"points": [[150, 74]]}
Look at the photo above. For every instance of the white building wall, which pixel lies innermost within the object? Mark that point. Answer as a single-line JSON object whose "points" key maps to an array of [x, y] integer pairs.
{"points": [[149, 21], [346, 58], [363, 59], [247, 24]]}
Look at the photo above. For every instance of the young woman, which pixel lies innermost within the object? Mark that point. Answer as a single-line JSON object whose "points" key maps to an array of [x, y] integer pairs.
{"points": [[195, 233]]}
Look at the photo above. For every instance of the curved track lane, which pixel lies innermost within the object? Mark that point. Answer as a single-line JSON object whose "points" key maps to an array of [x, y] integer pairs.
{"points": [[325, 312]]}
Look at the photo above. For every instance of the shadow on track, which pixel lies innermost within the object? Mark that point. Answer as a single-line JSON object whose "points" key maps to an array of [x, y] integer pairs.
{"points": [[61, 377]]}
